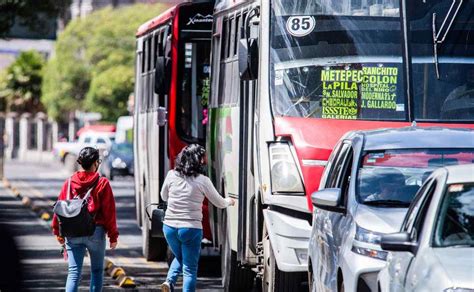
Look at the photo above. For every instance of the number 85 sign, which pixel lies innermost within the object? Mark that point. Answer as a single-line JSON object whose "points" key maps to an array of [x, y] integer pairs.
{"points": [[299, 26]]}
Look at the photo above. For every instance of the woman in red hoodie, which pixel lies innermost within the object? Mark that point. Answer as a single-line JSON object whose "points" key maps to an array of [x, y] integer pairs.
{"points": [[102, 205]]}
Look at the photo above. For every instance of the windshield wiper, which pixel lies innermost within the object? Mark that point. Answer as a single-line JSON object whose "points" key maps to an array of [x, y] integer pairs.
{"points": [[440, 36], [391, 203]]}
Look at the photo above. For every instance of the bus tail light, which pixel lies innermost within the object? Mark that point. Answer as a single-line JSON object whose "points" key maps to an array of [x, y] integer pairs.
{"points": [[285, 176]]}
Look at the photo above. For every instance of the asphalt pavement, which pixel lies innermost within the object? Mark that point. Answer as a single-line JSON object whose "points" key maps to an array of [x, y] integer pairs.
{"points": [[43, 267]]}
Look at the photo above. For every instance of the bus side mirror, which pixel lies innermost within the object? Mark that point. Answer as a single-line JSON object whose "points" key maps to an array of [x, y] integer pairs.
{"points": [[162, 75], [248, 59]]}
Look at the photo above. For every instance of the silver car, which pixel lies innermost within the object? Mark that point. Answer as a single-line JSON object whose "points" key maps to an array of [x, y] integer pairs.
{"points": [[434, 250], [365, 191]]}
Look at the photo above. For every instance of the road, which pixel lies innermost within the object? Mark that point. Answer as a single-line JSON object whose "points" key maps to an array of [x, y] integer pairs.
{"points": [[43, 266]]}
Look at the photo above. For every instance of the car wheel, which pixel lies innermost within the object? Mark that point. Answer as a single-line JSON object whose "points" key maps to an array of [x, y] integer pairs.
{"points": [[310, 279], [341, 287]]}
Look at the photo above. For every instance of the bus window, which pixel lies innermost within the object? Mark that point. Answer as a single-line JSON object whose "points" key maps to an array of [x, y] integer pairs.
{"points": [[231, 38], [451, 97], [337, 59], [236, 33], [195, 85], [155, 49], [224, 36], [149, 54], [144, 56]]}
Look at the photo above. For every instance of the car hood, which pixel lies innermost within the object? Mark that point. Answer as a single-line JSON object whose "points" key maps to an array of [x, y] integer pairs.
{"points": [[382, 220], [456, 264]]}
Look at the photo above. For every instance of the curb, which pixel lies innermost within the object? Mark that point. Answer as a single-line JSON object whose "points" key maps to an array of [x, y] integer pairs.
{"points": [[117, 273], [41, 211]]}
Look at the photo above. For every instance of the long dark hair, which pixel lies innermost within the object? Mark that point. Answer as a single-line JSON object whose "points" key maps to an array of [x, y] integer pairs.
{"points": [[189, 160]]}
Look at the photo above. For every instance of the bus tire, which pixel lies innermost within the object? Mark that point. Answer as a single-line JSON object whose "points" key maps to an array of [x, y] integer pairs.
{"points": [[234, 277], [154, 248], [275, 280], [241, 278]]}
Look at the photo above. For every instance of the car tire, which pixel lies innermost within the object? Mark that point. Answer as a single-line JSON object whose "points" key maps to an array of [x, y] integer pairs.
{"points": [[310, 279]]}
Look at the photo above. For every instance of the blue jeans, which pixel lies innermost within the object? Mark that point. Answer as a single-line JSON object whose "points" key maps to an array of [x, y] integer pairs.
{"points": [[76, 249], [185, 243]]}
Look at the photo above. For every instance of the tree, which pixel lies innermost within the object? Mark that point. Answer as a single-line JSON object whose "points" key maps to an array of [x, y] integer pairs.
{"points": [[93, 65], [32, 15], [20, 84]]}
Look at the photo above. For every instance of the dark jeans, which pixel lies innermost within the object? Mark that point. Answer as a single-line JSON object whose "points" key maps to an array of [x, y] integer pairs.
{"points": [[185, 243]]}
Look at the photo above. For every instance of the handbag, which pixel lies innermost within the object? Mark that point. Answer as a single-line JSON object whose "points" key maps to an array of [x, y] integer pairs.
{"points": [[73, 216], [157, 218]]}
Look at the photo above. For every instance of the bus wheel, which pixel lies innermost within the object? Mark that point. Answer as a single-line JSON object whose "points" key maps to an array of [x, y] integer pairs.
{"points": [[275, 280], [234, 277], [154, 248]]}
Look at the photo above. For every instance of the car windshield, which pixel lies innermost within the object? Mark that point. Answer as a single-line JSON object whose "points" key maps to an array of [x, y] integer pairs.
{"points": [[455, 222], [391, 178], [123, 148]]}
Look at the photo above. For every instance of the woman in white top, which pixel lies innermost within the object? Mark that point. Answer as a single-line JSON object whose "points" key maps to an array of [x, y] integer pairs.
{"points": [[184, 190]]}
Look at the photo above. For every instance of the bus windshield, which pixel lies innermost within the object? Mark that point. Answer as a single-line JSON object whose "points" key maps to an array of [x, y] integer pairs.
{"points": [[451, 97], [194, 90], [343, 59]]}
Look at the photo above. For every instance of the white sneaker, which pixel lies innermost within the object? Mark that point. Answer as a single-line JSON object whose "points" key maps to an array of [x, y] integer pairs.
{"points": [[166, 287]]}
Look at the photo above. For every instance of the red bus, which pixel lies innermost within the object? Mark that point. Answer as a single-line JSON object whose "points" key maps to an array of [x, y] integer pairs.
{"points": [[171, 93]]}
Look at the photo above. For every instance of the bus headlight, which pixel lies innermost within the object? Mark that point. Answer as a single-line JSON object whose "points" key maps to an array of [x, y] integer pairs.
{"points": [[284, 171]]}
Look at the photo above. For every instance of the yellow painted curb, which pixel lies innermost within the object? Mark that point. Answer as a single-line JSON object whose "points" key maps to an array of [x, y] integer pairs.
{"points": [[45, 216], [108, 264], [26, 201], [6, 184], [126, 282], [117, 272]]}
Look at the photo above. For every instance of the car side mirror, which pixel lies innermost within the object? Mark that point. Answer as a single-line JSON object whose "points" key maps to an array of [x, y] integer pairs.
{"points": [[328, 199], [398, 242], [162, 75]]}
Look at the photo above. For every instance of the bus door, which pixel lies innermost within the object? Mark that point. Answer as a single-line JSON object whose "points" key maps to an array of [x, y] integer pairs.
{"points": [[248, 38]]}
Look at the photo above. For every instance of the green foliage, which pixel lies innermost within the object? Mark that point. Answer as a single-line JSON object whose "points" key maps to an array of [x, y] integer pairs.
{"points": [[116, 82], [32, 15], [93, 66], [20, 84]]}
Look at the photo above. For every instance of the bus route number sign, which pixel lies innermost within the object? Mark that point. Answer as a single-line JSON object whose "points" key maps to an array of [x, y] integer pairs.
{"points": [[300, 26]]}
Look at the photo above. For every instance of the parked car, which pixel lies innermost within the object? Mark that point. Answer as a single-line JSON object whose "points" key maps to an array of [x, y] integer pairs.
{"points": [[118, 161], [365, 191], [67, 152], [434, 249]]}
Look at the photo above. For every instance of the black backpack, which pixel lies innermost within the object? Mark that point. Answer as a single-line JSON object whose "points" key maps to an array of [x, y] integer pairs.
{"points": [[73, 215]]}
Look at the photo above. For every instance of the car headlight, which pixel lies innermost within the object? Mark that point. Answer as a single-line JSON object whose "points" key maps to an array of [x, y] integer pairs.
{"points": [[453, 289], [284, 171], [118, 163], [367, 243]]}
